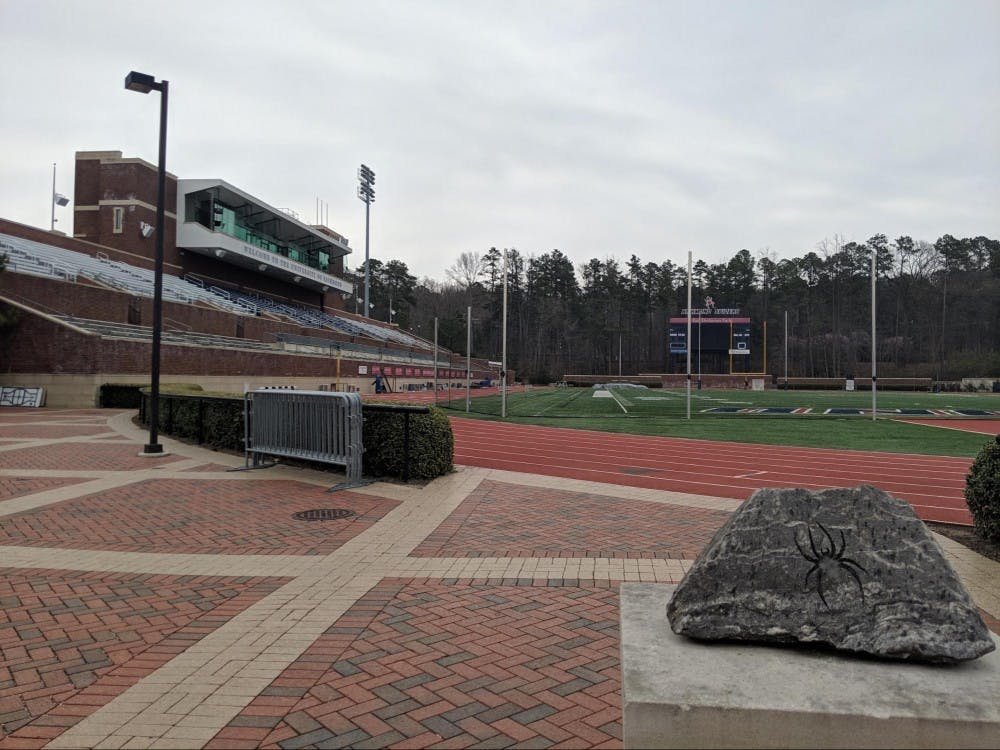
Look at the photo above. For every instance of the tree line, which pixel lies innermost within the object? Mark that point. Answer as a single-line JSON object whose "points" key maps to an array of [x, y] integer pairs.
{"points": [[937, 312]]}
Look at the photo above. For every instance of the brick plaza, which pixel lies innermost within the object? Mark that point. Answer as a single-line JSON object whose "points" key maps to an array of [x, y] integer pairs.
{"points": [[172, 603]]}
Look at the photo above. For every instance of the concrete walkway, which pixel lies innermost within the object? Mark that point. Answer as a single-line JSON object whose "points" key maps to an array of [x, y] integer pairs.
{"points": [[171, 603]]}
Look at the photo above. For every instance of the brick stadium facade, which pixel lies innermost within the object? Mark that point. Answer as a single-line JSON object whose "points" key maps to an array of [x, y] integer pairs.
{"points": [[114, 197]]}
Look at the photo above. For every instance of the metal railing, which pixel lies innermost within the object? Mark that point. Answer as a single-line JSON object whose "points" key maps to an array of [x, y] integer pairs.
{"points": [[318, 426]]}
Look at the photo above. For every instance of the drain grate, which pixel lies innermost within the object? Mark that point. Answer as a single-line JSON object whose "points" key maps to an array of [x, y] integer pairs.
{"points": [[322, 514]]}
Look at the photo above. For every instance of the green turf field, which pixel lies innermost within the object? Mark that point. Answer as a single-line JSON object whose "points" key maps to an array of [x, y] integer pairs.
{"points": [[663, 412]]}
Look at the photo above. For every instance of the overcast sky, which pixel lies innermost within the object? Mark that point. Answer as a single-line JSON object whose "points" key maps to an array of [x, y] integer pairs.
{"points": [[599, 128]]}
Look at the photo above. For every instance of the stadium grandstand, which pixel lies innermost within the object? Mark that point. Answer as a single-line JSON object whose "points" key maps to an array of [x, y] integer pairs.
{"points": [[252, 296]]}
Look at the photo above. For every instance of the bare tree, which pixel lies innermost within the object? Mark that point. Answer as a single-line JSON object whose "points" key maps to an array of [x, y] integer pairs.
{"points": [[466, 270]]}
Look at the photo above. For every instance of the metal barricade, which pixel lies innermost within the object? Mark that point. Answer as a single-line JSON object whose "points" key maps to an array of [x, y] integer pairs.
{"points": [[321, 426]]}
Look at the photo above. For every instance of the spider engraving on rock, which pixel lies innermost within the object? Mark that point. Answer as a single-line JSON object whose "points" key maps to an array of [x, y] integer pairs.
{"points": [[827, 558]]}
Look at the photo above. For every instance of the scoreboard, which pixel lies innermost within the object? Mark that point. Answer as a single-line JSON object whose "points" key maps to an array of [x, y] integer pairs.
{"points": [[712, 334]]}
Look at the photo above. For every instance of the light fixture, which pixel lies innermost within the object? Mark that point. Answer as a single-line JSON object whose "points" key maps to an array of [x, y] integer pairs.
{"points": [[262, 267], [146, 230], [297, 279], [140, 82], [220, 253]]}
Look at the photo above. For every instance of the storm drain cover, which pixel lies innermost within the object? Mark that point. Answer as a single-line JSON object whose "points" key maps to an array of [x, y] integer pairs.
{"points": [[322, 514]]}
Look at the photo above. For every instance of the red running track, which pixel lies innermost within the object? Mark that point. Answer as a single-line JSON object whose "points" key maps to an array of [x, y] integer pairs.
{"points": [[933, 485]]}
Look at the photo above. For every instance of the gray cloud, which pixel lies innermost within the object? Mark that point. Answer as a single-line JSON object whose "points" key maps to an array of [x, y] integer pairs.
{"points": [[600, 128]]}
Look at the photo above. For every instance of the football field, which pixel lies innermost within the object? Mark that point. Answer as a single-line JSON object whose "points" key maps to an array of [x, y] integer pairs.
{"points": [[907, 422], [638, 402]]}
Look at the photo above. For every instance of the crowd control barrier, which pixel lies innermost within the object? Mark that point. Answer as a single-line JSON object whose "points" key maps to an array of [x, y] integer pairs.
{"points": [[321, 426]]}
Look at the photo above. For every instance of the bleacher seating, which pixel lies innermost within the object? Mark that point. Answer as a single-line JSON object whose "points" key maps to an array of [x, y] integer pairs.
{"points": [[318, 318], [28, 256], [356, 351]]}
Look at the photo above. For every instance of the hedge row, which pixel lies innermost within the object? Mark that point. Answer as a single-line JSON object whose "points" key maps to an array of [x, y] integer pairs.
{"points": [[217, 421]]}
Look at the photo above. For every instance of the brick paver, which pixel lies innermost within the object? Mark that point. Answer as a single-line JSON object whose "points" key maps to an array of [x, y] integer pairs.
{"points": [[11, 487], [72, 641], [507, 520], [197, 516], [451, 664], [9, 430], [96, 455]]}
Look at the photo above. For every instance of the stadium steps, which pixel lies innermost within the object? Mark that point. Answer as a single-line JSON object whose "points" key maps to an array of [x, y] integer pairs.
{"points": [[107, 329]]}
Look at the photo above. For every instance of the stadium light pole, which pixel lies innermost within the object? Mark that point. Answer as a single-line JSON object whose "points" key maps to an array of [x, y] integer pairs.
{"points": [[503, 358], [144, 83], [874, 378], [786, 350], [435, 360], [366, 192], [699, 349], [468, 359], [689, 340]]}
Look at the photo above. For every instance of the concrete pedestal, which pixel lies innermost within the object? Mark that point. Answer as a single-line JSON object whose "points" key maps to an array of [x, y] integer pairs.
{"points": [[677, 692]]}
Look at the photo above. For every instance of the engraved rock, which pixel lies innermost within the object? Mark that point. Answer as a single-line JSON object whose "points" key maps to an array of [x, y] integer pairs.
{"points": [[851, 568]]}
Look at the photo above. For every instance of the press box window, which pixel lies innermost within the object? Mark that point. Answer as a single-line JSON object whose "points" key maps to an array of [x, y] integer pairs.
{"points": [[118, 220]]}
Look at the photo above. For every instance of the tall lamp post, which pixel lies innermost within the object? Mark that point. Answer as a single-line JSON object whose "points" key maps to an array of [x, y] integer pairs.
{"points": [[144, 83], [366, 192]]}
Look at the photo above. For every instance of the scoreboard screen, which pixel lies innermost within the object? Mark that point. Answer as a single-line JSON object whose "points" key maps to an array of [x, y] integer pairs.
{"points": [[715, 335]]}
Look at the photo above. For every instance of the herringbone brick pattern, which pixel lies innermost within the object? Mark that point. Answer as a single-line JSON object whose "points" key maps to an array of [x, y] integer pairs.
{"points": [[49, 431], [72, 641], [11, 487], [433, 664], [94, 456], [506, 520], [197, 516]]}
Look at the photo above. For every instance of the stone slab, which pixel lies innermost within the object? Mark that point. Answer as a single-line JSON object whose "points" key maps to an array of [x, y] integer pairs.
{"points": [[677, 692]]}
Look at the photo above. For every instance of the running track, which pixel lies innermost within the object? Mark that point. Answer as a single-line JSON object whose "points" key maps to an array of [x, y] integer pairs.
{"points": [[933, 485]]}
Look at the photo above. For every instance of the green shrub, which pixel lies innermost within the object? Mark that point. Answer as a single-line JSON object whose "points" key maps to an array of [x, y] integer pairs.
{"points": [[432, 444], [216, 421], [982, 491]]}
